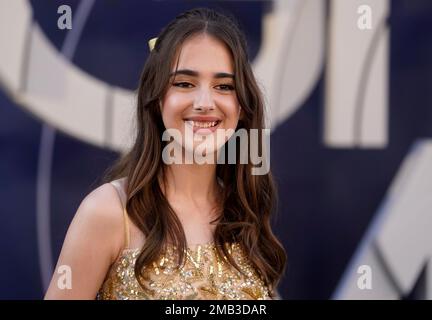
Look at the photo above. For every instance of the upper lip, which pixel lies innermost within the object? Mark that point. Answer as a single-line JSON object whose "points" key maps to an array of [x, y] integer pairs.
{"points": [[202, 118]]}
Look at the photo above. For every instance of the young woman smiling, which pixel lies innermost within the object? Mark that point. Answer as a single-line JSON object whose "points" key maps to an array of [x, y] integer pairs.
{"points": [[181, 231]]}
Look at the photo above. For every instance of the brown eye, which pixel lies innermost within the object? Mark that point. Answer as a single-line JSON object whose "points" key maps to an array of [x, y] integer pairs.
{"points": [[183, 84], [225, 87]]}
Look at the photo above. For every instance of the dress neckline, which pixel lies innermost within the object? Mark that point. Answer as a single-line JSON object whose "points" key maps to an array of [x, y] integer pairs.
{"points": [[190, 247]]}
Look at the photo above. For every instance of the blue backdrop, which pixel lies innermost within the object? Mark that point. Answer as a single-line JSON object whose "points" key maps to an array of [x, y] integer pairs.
{"points": [[327, 196]]}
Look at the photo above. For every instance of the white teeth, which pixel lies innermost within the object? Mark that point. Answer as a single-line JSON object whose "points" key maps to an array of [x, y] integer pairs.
{"points": [[202, 124]]}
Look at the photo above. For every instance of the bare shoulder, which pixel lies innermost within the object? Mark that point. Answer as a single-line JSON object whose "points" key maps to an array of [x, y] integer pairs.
{"points": [[105, 201], [102, 212], [93, 241]]}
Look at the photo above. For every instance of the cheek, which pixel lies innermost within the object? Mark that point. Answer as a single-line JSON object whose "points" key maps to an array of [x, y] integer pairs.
{"points": [[172, 108], [231, 109]]}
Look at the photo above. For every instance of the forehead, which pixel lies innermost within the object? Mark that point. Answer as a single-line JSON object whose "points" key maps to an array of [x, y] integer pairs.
{"points": [[204, 53]]}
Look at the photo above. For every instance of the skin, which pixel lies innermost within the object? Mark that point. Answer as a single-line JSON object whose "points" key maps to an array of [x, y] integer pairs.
{"points": [[192, 188], [95, 238]]}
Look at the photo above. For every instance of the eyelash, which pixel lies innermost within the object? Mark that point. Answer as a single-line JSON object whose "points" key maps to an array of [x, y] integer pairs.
{"points": [[187, 85]]}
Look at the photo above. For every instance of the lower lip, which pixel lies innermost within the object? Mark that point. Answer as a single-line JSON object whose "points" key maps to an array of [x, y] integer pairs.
{"points": [[208, 130]]}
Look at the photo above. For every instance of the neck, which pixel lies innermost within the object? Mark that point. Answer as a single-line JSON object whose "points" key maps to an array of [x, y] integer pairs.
{"points": [[195, 182]]}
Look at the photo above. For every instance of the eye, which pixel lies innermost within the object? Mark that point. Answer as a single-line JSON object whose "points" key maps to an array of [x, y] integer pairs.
{"points": [[183, 84], [225, 87]]}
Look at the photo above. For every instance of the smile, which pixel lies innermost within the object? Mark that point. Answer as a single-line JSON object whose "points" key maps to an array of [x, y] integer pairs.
{"points": [[203, 125]]}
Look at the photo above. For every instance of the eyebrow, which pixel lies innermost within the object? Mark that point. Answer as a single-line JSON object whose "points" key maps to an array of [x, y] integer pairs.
{"points": [[192, 73]]}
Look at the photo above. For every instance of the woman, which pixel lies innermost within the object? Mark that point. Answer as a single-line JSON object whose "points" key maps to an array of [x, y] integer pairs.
{"points": [[162, 229]]}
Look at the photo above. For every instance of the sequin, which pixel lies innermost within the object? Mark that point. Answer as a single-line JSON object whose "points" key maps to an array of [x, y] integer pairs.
{"points": [[203, 276]]}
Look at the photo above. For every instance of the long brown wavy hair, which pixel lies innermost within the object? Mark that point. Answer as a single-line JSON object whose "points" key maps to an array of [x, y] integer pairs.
{"points": [[247, 201]]}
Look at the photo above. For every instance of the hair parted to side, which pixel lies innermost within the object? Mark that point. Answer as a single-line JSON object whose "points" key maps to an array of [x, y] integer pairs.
{"points": [[247, 200]]}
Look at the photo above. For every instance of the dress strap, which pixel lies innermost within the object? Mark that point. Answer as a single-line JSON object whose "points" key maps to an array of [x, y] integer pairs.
{"points": [[119, 186]]}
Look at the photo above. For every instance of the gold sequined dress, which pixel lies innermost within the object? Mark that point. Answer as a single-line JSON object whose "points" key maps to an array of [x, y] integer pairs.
{"points": [[203, 276]]}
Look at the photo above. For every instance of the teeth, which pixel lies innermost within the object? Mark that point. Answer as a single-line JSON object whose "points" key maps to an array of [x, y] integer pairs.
{"points": [[202, 124]]}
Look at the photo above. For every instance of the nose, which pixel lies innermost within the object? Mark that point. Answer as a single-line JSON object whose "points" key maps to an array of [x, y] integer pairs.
{"points": [[204, 101]]}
